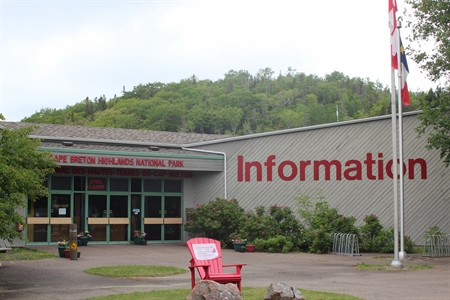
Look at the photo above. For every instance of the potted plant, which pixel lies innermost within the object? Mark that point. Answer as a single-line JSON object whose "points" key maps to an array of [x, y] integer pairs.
{"points": [[62, 245], [84, 237], [139, 237], [238, 242], [250, 247]]}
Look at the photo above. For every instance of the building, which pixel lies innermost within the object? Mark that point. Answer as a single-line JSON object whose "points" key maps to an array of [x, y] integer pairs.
{"points": [[115, 181]]}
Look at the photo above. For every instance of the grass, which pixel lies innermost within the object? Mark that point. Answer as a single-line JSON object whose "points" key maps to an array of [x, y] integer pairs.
{"points": [[25, 254], [383, 267], [133, 271], [248, 293]]}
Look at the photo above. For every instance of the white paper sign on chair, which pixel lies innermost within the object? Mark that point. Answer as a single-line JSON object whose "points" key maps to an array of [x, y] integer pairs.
{"points": [[205, 251]]}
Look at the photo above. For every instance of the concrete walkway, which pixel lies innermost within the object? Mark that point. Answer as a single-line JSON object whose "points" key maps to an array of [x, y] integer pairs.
{"points": [[61, 278]]}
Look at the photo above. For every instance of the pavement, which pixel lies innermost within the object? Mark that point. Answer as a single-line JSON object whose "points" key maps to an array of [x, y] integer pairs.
{"points": [[62, 278]]}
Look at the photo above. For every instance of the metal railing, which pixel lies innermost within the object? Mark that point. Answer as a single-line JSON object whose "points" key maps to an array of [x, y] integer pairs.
{"points": [[346, 244], [436, 245]]}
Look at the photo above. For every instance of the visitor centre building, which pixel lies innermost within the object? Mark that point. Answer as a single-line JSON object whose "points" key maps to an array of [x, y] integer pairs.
{"points": [[115, 181]]}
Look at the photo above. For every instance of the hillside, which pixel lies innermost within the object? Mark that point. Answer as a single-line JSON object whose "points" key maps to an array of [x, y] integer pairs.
{"points": [[238, 104]]}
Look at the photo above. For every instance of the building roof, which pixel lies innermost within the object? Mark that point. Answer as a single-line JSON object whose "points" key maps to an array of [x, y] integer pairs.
{"points": [[112, 139]]}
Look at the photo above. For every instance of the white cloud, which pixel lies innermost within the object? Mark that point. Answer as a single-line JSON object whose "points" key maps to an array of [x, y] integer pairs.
{"points": [[58, 53]]}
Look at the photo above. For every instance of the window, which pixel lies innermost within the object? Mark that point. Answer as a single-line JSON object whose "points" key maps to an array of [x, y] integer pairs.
{"points": [[61, 183], [119, 184], [152, 185], [172, 186]]}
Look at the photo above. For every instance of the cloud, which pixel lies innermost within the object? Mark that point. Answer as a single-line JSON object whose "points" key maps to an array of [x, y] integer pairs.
{"points": [[58, 53]]}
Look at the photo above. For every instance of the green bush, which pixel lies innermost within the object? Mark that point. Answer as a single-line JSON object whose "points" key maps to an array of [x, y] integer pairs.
{"points": [[278, 229], [369, 231], [433, 231], [274, 244], [384, 242], [317, 213], [277, 221], [328, 219], [254, 225], [217, 219], [319, 240]]}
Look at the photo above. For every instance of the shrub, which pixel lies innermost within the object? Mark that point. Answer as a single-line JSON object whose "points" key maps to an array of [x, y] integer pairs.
{"points": [[369, 231], [254, 225], [278, 243], [319, 241], [317, 213], [384, 242], [277, 221], [217, 219], [433, 231]]}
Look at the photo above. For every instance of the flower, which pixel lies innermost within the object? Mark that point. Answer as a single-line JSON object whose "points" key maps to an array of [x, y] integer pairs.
{"points": [[239, 241], [139, 233], [237, 238], [84, 233], [63, 243]]}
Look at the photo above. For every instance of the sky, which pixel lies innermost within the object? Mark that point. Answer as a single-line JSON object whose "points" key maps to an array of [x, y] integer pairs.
{"points": [[57, 53]]}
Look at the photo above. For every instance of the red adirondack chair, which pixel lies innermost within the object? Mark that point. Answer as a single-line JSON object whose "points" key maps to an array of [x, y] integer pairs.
{"points": [[207, 259]]}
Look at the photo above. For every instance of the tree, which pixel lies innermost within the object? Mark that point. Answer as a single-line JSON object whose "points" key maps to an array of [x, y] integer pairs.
{"points": [[23, 170], [430, 24], [436, 108]]}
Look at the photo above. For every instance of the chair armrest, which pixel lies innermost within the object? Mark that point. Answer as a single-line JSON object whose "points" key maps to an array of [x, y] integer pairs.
{"points": [[205, 267], [238, 267]]}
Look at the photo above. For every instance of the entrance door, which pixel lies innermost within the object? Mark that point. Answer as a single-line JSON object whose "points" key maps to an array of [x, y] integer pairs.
{"points": [[108, 218], [162, 218], [172, 218], [153, 219], [97, 216], [118, 217]]}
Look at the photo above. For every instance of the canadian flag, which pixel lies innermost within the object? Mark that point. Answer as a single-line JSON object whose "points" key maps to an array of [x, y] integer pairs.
{"points": [[394, 33]]}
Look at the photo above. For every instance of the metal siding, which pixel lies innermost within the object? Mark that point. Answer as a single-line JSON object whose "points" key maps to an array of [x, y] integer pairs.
{"points": [[427, 202]]}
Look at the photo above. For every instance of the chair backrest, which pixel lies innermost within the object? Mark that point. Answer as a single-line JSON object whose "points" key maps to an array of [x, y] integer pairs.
{"points": [[5, 244], [206, 251]]}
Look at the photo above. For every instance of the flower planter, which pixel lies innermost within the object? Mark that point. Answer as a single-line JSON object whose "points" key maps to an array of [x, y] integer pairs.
{"points": [[67, 253], [61, 251], [238, 246], [83, 240], [138, 240], [251, 248]]}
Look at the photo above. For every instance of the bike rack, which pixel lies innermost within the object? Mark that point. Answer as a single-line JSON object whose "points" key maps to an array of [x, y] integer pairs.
{"points": [[346, 244], [436, 245]]}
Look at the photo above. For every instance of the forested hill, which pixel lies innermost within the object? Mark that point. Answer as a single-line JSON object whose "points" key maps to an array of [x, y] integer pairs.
{"points": [[238, 104]]}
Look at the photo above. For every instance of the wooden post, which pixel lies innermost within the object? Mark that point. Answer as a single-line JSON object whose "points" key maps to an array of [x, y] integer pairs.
{"points": [[73, 241]]}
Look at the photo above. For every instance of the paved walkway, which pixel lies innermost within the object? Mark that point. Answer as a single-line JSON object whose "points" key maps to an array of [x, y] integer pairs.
{"points": [[61, 278]]}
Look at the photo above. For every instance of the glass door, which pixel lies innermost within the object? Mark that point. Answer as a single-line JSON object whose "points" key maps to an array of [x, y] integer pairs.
{"points": [[153, 217], [97, 216], [119, 219], [172, 218], [60, 217]]}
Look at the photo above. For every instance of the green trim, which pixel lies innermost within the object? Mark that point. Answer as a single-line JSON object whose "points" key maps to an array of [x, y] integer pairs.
{"points": [[146, 154]]}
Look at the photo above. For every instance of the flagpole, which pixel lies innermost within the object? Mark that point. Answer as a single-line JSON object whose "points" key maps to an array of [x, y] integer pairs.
{"points": [[396, 263], [402, 254]]}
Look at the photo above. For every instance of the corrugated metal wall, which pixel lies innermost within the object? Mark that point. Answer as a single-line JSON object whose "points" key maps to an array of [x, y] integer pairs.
{"points": [[426, 201]]}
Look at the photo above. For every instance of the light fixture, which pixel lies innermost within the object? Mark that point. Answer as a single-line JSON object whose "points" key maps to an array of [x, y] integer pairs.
{"points": [[153, 148], [68, 144]]}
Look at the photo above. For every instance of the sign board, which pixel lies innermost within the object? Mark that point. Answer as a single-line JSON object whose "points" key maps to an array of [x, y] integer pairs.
{"points": [[73, 245], [205, 251]]}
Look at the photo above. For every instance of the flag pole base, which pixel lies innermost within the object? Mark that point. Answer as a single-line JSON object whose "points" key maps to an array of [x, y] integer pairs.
{"points": [[396, 264], [402, 255]]}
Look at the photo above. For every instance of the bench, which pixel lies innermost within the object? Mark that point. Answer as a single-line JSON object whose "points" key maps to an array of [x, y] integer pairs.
{"points": [[5, 245]]}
